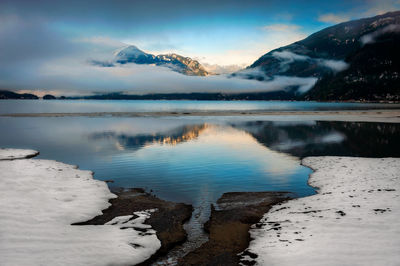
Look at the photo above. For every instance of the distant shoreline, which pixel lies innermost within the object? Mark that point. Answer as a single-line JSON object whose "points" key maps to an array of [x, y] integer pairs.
{"points": [[200, 96], [205, 99]]}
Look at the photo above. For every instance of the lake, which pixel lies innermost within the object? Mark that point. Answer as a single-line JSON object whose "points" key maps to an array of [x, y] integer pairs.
{"points": [[194, 159]]}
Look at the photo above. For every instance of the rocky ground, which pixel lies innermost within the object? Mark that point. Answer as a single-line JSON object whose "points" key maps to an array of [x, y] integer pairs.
{"points": [[229, 226], [167, 221]]}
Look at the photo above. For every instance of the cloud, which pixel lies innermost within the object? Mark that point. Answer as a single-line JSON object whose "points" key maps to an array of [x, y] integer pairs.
{"points": [[36, 57], [368, 8], [246, 53], [288, 57], [281, 27], [29, 40], [215, 29], [378, 7], [278, 82], [185, 27], [72, 78], [304, 84], [335, 65], [101, 40], [371, 37], [222, 69], [33, 40], [333, 18], [273, 36], [252, 45]]}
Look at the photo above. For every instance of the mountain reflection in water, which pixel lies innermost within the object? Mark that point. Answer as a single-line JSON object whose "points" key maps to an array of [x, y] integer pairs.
{"points": [[196, 160], [204, 150], [174, 137], [325, 138], [300, 139]]}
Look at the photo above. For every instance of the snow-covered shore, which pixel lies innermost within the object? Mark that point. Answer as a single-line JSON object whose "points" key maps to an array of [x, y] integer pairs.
{"points": [[353, 220], [40, 199], [12, 154]]}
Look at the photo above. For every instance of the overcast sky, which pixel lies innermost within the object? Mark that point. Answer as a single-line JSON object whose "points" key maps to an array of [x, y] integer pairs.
{"points": [[46, 42]]}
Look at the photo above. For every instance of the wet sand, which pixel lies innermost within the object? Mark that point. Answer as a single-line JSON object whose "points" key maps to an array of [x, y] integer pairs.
{"points": [[386, 115]]}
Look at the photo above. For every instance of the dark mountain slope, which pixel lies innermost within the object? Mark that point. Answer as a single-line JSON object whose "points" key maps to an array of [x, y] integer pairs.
{"points": [[373, 74], [355, 60]]}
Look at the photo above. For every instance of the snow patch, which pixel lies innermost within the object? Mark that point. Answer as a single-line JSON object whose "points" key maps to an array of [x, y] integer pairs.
{"points": [[353, 220], [40, 199], [12, 154]]}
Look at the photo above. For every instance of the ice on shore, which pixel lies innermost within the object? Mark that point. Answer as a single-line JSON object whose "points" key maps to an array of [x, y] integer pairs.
{"points": [[40, 199], [11, 154], [353, 220]]}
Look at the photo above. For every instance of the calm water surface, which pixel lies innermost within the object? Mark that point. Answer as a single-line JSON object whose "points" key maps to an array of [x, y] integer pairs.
{"points": [[189, 159], [196, 160]]}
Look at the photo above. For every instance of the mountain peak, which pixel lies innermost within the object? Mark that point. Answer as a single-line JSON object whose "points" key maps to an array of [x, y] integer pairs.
{"points": [[131, 49], [133, 54], [178, 63]]}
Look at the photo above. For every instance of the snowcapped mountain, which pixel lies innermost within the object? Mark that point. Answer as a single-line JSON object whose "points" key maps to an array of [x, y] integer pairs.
{"points": [[178, 63], [132, 54]]}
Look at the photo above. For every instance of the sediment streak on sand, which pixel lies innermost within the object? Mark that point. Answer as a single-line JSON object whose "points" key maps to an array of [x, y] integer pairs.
{"points": [[388, 115]]}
